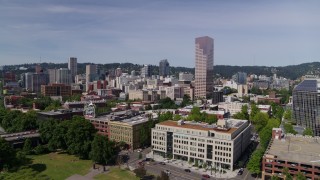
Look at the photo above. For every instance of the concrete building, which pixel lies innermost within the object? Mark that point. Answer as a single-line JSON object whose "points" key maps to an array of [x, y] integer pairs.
{"points": [[56, 90], [146, 71], [232, 107], [306, 105], [185, 77], [73, 67], [218, 145], [61, 76], [164, 68], [300, 154], [240, 77], [91, 74], [37, 79], [203, 67]]}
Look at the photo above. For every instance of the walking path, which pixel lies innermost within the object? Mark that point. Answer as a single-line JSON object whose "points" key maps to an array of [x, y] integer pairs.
{"points": [[90, 175]]}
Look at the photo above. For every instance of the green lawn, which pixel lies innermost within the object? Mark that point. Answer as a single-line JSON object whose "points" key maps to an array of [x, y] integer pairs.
{"points": [[60, 165], [115, 173]]}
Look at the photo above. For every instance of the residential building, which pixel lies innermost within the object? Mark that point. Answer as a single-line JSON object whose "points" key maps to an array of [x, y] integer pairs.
{"points": [[203, 67], [299, 154], [56, 90], [73, 67], [164, 68], [219, 145], [306, 105], [232, 107]]}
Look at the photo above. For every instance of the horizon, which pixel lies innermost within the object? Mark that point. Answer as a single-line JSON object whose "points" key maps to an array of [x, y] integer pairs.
{"points": [[273, 33]]}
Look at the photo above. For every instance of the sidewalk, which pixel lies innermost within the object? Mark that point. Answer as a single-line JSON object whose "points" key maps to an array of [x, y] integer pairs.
{"points": [[185, 165]]}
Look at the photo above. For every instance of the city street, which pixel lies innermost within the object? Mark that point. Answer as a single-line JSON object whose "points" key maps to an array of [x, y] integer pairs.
{"points": [[178, 173]]}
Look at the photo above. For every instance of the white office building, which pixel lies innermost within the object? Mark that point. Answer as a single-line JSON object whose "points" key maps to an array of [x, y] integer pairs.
{"points": [[218, 145]]}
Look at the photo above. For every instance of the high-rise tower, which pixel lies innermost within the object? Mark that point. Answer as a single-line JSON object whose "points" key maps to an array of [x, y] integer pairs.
{"points": [[73, 67], [164, 68], [204, 67]]}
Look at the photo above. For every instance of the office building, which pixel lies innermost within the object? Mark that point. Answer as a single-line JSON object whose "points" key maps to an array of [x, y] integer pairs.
{"points": [[146, 71], [306, 105], [56, 90], [36, 79], [73, 67], [60, 76], [203, 67], [218, 145], [240, 77], [91, 74], [164, 68], [299, 154]]}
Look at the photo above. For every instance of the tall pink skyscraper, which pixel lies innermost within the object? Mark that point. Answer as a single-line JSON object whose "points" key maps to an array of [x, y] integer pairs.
{"points": [[204, 67]]}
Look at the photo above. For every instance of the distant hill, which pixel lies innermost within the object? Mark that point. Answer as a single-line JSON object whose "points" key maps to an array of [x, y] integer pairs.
{"points": [[292, 71]]}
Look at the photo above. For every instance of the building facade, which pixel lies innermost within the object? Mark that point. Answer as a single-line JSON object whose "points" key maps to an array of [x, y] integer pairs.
{"points": [[73, 67], [203, 67], [218, 145], [56, 90], [164, 68], [146, 71], [306, 105]]}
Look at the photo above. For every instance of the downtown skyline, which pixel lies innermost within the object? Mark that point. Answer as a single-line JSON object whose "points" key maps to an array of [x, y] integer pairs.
{"points": [[269, 33]]}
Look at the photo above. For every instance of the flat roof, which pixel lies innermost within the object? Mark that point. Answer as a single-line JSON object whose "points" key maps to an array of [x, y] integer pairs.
{"points": [[302, 149], [197, 126]]}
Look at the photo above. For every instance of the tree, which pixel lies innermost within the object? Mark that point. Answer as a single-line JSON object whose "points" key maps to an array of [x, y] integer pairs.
{"points": [[254, 111], [260, 120], [255, 161], [177, 117], [275, 178], [102, 150], [287, 174], [163, 176], [143, 136], [289, 128], [79, 137], [7, 154], [211, 119], [27, 146], [243, 114], [301, 176], [308, 132], [140, 171], [58, 138], [287, 114], [185, 101]]}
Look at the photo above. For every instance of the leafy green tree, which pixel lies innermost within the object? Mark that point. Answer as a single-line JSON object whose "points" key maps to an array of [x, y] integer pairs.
{"points": [[79, 137], [254, 111], [163, 176], [185, 101], [288, 114], [289, 128], [287, 174], [260, 120], [140, 171], [7, 154], [300, 176], [167, 103], [308, 132], [46, 129], [277, 111], [195, 114], [211, 119], [27, 146], [144, 136], [243, 114], [165, 116], [58, 138], [40, 149], [103, 150], [275, 178], [177, 117], [254, 164]]}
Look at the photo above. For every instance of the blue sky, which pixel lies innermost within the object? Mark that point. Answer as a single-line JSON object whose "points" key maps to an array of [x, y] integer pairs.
{"points": [[272, 33]]}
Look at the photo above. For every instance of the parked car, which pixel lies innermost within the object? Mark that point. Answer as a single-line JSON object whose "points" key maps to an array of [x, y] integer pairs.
{"points": [[167, 172], [206, 176], [187, 170], [240, 171], [162, 163]]}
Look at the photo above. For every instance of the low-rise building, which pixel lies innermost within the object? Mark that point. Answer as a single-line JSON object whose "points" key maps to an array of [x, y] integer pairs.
{"points": [[296, 153], [218, 145], [56, 90]]}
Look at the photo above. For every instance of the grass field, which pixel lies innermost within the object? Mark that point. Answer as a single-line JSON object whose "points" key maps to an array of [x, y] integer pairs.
{"points": [[60, 165], [117, 174]]}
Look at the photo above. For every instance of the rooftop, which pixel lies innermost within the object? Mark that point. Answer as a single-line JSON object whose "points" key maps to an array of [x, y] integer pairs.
{"points": [[301, 149], [232, 123]]}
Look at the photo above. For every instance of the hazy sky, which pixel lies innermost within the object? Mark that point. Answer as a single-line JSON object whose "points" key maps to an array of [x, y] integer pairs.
{"points": [[253, 32]]}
